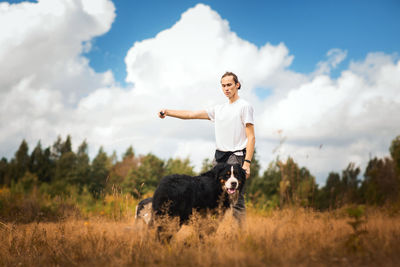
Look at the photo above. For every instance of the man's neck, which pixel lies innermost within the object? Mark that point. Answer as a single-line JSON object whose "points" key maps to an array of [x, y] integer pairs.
{"points": [[233, 99]]}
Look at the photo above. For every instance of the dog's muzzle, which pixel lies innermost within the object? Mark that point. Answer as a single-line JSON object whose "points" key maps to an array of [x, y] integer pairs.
{"points": [[231, 185]]}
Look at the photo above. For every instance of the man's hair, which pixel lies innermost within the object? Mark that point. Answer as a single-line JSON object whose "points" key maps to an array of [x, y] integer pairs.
{"points": [[235, 78]]}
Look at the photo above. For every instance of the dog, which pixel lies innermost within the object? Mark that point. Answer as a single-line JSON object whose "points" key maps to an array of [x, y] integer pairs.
{"points": [[178, 195]]}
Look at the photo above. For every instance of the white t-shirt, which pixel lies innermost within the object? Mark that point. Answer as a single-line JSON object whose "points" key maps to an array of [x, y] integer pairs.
{"points": [[230, 124]]}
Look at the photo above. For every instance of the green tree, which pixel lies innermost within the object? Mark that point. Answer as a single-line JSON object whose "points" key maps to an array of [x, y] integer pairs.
{"points": [[290, 179], [40, 163], [120, 170], [265, 189], [330, 195], [350, 183], [297, 185], [82, 170], [380, 183], [65, 169], [179, 166], [66, 146], [146, 177], [307, 188], [56, 149], [100, 168], [129, 153], [35, 158], [20, 163], [254, 168]]}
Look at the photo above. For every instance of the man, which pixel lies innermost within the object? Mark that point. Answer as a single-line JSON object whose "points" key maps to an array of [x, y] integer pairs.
{"points": [[234, 129]]}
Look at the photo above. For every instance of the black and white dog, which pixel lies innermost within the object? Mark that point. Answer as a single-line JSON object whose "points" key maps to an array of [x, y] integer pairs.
{"points": [[177, 195]]}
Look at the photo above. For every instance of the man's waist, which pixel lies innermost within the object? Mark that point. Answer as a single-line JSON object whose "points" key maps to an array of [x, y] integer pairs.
{"points": [[238, 152]]}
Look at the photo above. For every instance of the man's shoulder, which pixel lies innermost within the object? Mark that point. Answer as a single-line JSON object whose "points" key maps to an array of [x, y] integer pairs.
{"points": [[239, 104], [244, 103]]}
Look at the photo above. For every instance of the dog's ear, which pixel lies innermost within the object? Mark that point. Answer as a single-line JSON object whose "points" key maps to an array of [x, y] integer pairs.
{"points": [[220, 167], [214, 172], [209, 173]]}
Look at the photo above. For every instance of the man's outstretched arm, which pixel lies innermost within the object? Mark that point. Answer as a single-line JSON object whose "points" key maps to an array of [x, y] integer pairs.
{"points": [[184, 114]]}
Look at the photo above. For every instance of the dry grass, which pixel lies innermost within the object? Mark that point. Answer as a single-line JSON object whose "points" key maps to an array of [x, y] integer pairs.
{"points": [[288, 238]]}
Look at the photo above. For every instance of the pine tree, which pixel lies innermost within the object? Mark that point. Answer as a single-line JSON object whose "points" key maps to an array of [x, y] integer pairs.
{"points": [[36, 158], [99, 172], [47, 169], [20, 162], [350, 183], [41, 164], [82, 170], [129, 153], [56, 149], [65, 169], [331, 194]]}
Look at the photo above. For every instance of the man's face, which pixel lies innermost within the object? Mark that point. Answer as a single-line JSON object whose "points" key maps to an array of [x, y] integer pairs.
{"points": [[229, 87]]}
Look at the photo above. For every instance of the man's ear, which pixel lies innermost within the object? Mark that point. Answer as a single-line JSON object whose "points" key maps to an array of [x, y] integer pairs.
{"points": [[238, 85]]}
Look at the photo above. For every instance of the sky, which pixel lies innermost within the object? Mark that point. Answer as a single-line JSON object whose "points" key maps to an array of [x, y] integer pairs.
{"points": [[323, 76]]}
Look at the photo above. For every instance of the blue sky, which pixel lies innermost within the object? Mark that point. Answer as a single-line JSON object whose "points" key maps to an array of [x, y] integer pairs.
{"points": [[329, 75], [308, 28]]}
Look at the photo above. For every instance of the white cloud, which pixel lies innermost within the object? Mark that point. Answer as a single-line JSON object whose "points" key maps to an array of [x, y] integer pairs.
{"points": [[50, 89], [43, 72], [44, 41], [335, 57], [353, 116]]}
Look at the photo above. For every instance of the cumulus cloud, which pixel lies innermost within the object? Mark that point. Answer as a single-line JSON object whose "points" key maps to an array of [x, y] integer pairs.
{"points": [[353, 116], [44, 74], [50, 89]]}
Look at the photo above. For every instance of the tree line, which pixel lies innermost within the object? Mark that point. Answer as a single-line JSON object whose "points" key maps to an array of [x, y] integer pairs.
{"points": [[58, 169]]}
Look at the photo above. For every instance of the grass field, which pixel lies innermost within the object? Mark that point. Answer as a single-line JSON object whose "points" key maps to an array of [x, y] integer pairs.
{"points": [[290, 237]]}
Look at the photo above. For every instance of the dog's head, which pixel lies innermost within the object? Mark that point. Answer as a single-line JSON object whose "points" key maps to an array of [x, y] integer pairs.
{"points": [[231, 177]]}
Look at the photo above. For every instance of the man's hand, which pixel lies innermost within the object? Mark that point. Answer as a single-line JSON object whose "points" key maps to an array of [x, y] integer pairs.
{"points": [[162, 113], [246, 167]]}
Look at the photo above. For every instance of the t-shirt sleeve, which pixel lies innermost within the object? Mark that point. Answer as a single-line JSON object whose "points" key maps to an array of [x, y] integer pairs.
{"points": [[211, 113], [247, 114]]}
